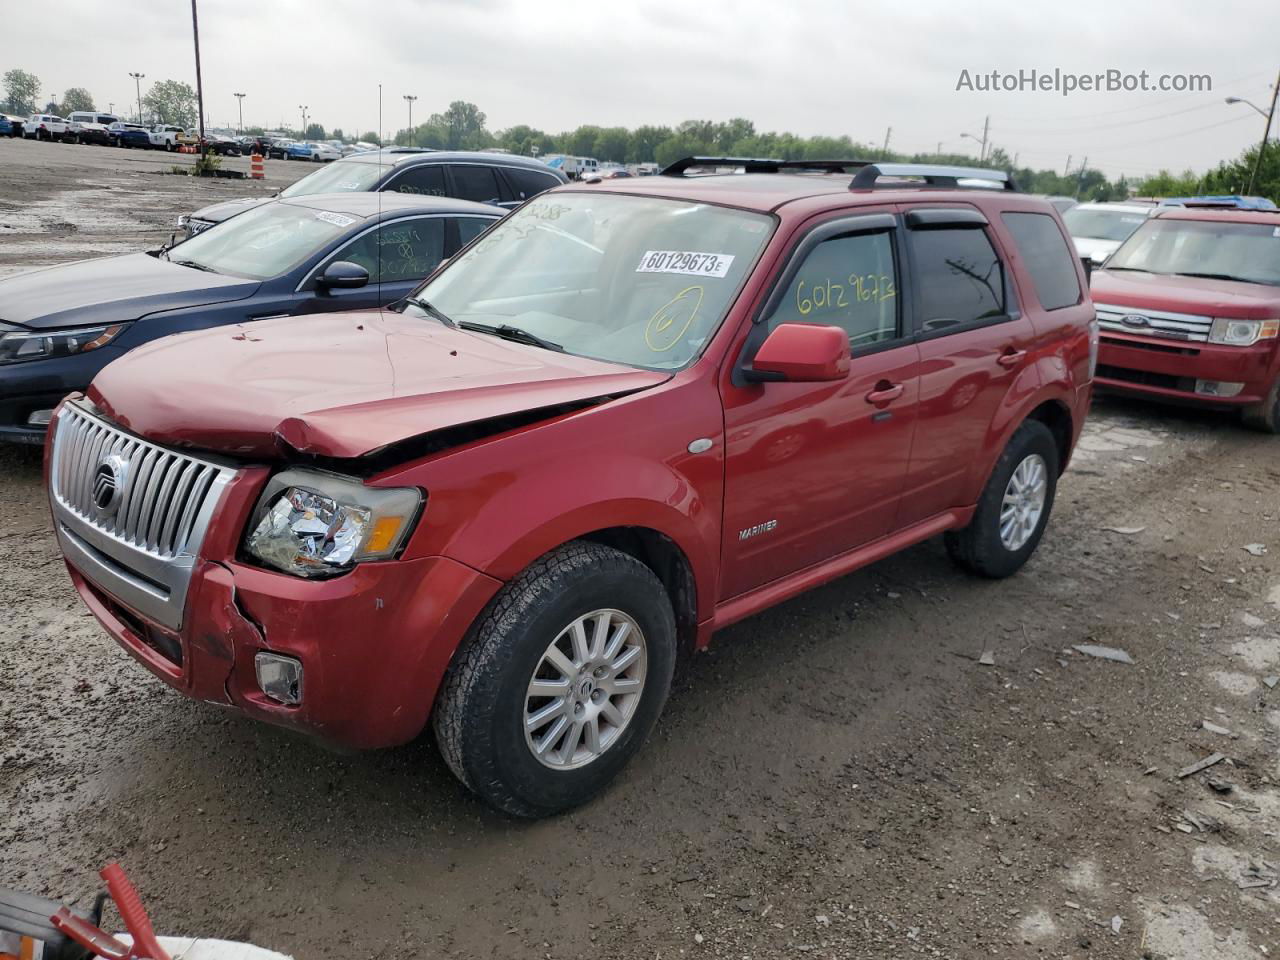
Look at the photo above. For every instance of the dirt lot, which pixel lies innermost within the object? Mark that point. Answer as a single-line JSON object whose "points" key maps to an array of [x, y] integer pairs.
{"points": [[838, 778]]}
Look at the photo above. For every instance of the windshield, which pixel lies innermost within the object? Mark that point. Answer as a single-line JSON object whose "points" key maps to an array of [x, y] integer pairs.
{"points": [[264, 242], [634, 280], [1095, 224], [341, 177], [1249, 252]]}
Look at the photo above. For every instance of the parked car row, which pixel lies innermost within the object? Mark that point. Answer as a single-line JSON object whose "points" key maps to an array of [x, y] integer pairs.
{"points": [[605, 425], [501, 179]]}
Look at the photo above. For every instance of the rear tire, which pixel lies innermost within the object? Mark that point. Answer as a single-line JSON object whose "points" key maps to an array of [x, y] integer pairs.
{"points": [[1265, 416], [556, 625], [1014, 508]]}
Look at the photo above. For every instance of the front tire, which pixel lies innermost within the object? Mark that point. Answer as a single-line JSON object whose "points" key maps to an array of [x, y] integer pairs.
{"points": [[560, 681], [1014, 508], [1265, 416]]}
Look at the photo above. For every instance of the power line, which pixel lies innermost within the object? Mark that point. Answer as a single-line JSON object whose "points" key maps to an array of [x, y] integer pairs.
{"points": [[1113, 126]]}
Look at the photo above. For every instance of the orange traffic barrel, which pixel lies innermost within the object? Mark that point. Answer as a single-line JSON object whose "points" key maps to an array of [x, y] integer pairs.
{"points": [[256, 171]]}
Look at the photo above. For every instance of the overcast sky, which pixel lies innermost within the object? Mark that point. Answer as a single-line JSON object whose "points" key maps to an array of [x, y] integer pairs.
{"points": [[808, 66]]}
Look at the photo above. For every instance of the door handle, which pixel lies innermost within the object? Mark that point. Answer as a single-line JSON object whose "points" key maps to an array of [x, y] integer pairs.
{"points": [[885, 393], [1011, 358]]}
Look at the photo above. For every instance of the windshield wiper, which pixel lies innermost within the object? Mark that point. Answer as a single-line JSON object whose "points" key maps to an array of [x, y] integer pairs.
{"points": [[1215, 276], [432, 311], [516, 334], [1131, 269], [192, 264]]}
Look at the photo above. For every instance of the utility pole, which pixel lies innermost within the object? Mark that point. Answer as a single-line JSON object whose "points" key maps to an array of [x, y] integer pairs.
{"points": [[304, 120], [938, 152], [1080, 177], [137, 86], [986, 129], [1066, 171], [1266, 132], [409, 98], [195, 32], [884, 151], [240, 100]]}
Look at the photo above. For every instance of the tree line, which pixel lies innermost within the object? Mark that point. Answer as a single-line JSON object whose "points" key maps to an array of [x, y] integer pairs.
{"points": [[463, 126]]}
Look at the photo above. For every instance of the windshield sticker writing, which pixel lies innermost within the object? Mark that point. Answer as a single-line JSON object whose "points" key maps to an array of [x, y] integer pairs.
{"points": [[671, 321], [337, 219], [692, 264]]}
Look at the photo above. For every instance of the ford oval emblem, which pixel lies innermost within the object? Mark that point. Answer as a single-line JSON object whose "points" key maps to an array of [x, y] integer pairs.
{"points": [[1135, 320]]}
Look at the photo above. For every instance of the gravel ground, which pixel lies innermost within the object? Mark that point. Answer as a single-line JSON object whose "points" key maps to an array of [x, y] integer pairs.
{"points": [[839, 777]]}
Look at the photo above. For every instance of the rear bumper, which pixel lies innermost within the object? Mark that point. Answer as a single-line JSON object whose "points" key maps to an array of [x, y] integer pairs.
{"points": [[1169, 369], [374, 644]]}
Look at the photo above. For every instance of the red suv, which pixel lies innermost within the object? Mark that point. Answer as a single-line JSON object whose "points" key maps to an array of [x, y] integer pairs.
{"points": [[1189, 308], [629, 414]]}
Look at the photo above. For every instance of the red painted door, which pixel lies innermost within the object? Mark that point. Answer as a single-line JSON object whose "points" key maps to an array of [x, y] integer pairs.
{"points": [[975, 346], [815, 469]]}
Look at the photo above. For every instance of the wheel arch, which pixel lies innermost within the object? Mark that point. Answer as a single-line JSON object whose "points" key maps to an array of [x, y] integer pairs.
{"points": [[1055, 415]]}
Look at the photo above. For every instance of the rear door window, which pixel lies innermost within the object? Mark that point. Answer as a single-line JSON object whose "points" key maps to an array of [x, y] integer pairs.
{"points": [[529, 183], [425, 180], [471, 227], [848, 282], [1050, 262], [959, 277], [476, 182]]}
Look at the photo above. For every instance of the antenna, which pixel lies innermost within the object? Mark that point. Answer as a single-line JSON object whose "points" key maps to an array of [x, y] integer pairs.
{"points": [[377, 232]]}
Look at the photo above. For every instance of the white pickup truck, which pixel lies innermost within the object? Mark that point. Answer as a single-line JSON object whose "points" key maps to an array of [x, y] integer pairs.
{"points": [[165, 136], [45, 126]]}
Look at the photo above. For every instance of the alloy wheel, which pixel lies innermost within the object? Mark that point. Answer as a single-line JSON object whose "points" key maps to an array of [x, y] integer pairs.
{"points": [[585, 689], [1023, 502]]}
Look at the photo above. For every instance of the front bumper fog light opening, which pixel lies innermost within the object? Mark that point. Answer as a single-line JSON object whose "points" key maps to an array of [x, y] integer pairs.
{"points": [[1218, 388], [40, 418], [280, 678]]}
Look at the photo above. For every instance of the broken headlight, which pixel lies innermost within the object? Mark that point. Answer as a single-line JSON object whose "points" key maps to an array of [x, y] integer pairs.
{"points": [[17, 344], [314, 524]]}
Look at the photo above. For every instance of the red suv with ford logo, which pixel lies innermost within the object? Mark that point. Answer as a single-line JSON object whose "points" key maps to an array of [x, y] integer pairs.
{"points": [[626, 416], [1189, 308]]}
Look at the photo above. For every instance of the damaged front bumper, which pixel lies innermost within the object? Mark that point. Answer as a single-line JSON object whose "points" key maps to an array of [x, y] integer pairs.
{"points": [[373, 644], [151, 536]]}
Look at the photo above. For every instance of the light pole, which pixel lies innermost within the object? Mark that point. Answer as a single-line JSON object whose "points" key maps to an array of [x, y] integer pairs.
{"points": [[137, 86], [409, 98], [304, 120], [240, 102], [195, 34], [1261, 112], [986, 127]]}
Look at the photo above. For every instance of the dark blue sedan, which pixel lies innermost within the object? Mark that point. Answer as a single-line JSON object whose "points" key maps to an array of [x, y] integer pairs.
{"points": [[350, 251]]}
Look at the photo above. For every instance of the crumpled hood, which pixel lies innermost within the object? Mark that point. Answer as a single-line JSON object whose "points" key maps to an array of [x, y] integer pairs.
{"points": [[1211, 298], [111, 290], [339, 385], [217, 212]]}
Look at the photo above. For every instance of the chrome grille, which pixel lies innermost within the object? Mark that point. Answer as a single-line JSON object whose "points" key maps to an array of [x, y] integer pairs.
{"points": [[1159, 323], [131, 515]]}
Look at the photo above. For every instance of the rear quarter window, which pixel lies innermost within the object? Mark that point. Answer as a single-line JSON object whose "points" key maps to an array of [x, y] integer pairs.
{"points": [[1049, 260]]}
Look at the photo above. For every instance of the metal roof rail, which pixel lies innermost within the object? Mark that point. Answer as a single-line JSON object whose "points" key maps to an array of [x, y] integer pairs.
{"points": [[934, 175], [763, 165]]}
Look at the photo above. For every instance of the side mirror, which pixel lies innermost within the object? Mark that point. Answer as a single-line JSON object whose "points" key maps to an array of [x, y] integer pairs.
{"points": [[801, 353], [343, 274], [1088, 267]]}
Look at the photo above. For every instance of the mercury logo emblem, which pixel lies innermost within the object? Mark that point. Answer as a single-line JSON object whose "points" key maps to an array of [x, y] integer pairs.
{"points": [[1135, 320], [108, 483]]}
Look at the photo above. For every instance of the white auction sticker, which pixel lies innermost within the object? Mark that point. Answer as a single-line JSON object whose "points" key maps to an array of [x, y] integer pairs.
{"points": [[337, 219], [692, 264]]}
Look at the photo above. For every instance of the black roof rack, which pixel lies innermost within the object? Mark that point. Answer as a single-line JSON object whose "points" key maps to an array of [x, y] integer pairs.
{"points": [[934, 175], [867, 173]]}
